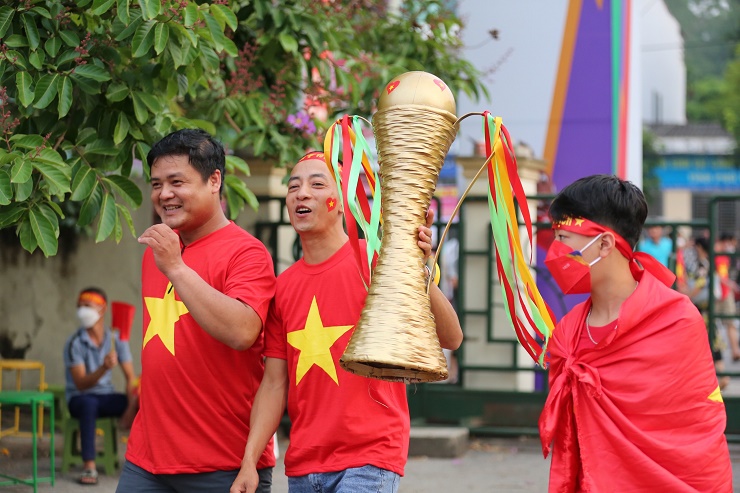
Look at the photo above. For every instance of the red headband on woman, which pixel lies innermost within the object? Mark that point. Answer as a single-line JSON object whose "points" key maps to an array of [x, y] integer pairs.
{"points": [[638, 260]]}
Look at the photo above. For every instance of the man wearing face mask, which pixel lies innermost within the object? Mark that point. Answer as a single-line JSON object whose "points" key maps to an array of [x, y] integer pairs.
{"points": [[89, 355], [634, 404]]}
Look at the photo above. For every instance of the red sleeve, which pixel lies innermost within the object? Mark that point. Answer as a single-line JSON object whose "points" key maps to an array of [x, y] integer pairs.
{"points": [[251, 279], [275, 339]]}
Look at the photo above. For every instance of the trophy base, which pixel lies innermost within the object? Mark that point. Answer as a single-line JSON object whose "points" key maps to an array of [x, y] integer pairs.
{"points": [[393, 372]]}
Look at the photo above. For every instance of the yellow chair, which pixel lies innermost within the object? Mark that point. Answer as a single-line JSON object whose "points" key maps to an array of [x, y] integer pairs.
{"points": [[107, 457]]}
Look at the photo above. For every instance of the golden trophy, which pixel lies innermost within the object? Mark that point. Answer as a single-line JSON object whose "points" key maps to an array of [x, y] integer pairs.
{"points": [[396, 338]]}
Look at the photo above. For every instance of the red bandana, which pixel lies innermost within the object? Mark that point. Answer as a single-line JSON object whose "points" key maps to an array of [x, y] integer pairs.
{"points": [[638, 260]]}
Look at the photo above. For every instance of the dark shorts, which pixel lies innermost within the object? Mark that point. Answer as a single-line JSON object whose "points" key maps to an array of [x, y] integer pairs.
{"points": [[136, 480]]}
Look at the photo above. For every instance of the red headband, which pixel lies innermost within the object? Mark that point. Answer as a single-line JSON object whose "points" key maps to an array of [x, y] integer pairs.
{"points": [[585, 227], [313, 155], [91, 297]]}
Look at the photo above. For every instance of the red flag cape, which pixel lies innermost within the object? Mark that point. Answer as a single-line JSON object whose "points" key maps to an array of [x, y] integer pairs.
{"points": [[641, 411]]}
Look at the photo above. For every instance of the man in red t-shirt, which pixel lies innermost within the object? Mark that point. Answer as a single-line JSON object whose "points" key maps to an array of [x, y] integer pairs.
{"points": [[348, 433], [634, 404], [207, 285]]}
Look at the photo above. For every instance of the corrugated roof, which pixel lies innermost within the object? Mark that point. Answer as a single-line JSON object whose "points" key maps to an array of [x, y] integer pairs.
{"points": [[689, 130]]}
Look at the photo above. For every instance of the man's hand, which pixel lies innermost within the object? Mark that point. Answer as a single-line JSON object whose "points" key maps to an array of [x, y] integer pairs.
{"points": [[110, 361], [246, 481], [165, 245], [425, 235]]}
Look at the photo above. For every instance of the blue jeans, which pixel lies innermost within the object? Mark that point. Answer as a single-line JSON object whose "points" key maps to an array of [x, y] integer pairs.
{"points": [[134, 479], [365, 479], [89, 407]]}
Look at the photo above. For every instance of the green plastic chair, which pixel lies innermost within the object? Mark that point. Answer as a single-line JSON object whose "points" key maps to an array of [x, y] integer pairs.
{"points": [[107, 457]]}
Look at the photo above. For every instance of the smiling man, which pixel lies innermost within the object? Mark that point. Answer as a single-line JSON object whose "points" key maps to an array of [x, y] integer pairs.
{"points": [[206, 285], [348, 433]]}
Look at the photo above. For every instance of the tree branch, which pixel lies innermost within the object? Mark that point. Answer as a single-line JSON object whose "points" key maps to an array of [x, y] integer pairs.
{"points": [[232, 122]]}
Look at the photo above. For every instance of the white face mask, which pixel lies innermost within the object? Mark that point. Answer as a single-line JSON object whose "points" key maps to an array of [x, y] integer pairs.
{"points": [[87, 316]]}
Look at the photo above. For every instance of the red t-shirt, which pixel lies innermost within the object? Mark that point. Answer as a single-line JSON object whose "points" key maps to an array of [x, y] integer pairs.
{"points": [[339, 420], [196, 392]]}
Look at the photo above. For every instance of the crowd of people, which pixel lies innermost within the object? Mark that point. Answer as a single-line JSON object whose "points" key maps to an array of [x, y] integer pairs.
{"points": [[228, 347]]}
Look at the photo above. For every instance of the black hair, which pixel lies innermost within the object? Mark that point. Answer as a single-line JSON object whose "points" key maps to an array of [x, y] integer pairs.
{"points": [[725, 236], [93, 289], [702, 242], [604, 199], [205, 153]]}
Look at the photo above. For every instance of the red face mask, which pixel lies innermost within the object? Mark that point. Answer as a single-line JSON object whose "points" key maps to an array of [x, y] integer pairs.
{"points": [[570, 271]]}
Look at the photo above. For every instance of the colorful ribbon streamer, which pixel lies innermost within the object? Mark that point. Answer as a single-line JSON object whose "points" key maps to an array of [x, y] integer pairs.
{"points": [[524, 305], [355, 153]]}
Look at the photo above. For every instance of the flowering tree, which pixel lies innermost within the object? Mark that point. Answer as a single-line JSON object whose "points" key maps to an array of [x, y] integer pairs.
{"points": [[87, 85]]}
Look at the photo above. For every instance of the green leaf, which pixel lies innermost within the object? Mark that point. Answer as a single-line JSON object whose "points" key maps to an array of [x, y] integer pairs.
{"points": [[187, 33], [93, 72], [6, 190], [43, 230], [57, 180], [234, 163], [56, 208], [9, 215], [16, 41], [32, 32], [101, 147], [150, 8], [83, 183], [25, 234], [23, 82], [23, 190], [88, 86], [50, 156], [117, 92], [151, 102], [191, 14], [6, 17], [86, 135], [216, 32], [224, 15], [161, 35], [238, 186], [117, 229], [140, 111], [42, 12], [136, 21], [122, 10], [21, 171], [122, 127], [27, 141], [100, 7], [289, 42], [142, 149], [53, 45], [124, 213], [65, 96], [46, 91], [125, 188], [91, 206], [70, 38], [107, 218], [49, 214], [143, 39], [36, 59]]}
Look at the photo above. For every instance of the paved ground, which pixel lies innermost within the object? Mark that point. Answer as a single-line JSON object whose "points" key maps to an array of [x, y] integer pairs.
{"points": [[490, 465]]}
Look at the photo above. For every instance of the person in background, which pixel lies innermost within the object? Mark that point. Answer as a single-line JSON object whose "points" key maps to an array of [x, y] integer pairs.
{"points": [[657, 245], [89, 356]]}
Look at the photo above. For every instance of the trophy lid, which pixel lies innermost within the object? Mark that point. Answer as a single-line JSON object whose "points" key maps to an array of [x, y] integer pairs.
{"points": [[417, 88]]}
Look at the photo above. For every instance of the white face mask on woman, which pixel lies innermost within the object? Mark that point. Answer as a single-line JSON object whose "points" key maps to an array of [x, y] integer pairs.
{"points": [[87, 316]]}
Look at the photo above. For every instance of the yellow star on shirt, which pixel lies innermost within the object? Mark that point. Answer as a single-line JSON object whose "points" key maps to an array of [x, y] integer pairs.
{"points": [[315, 342], [163, 313]]}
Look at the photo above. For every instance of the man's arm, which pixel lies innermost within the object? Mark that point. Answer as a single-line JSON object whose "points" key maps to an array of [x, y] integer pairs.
{"points": [[449, 331], [268, 408], [128, 372], [84, 380], [226, 319]]}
